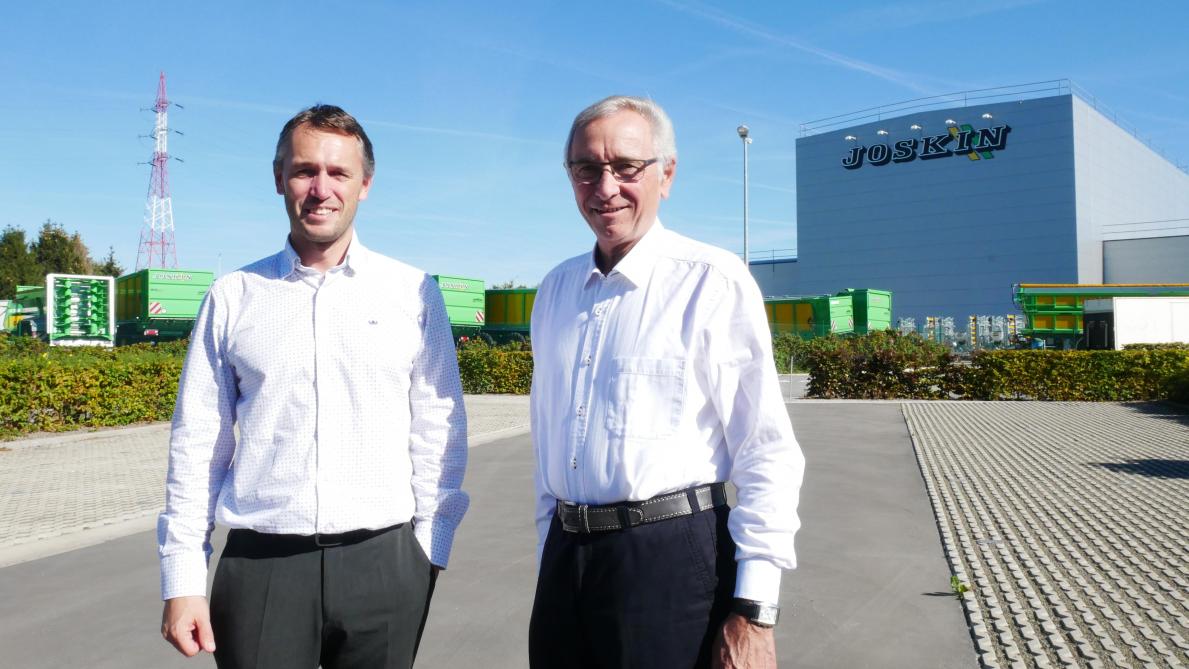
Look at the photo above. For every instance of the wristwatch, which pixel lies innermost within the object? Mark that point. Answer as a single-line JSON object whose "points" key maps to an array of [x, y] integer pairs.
{"points": [[760, 614]]}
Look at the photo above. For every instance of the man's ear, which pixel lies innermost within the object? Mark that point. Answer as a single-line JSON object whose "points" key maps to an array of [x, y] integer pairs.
{"points": [[667, 175]]}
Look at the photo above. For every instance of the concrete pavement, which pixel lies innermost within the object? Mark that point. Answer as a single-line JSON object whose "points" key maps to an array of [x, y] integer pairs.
{"points": [[1069, 526], [1066, 520], [61, 492], [861, 597]]}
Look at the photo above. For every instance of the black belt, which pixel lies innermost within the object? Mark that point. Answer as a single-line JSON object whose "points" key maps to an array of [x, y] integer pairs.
{"points": [[299, 543], [585, 518]]}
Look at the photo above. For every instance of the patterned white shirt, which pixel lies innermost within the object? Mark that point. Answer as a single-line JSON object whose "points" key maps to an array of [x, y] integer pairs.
{"points": [[658, 377], [344, 387]]}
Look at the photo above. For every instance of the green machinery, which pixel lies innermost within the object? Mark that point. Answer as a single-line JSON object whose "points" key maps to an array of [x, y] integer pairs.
{"points": [[872, 308], [509, 312], [809, 317], [69, 310], [464, 304], [851, 311], [1053, 311], [157, 305]]}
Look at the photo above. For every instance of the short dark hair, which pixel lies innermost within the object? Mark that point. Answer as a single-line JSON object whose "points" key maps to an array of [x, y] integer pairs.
{"points": [[333, 119]]}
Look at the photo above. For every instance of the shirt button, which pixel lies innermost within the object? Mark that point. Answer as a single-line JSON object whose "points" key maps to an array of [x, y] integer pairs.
{"points": [[586, 360], [598, 310], [581, 410]]}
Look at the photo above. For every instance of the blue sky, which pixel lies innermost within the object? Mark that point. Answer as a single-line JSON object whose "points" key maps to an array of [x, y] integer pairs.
{"points": [[468, 105]]}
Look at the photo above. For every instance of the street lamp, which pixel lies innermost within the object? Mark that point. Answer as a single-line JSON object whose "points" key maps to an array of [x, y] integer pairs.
{"points": [[743, 135]]}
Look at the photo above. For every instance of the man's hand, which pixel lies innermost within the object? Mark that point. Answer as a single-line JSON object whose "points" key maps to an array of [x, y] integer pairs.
{"points": [[186, 623], [741, 645]]}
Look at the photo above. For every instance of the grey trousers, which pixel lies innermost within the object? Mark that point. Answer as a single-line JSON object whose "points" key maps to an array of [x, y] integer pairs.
{"points": [[361, 605]]}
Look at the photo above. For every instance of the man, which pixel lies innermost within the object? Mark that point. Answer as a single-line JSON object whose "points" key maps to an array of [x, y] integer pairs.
{"points": [[342, 490], [653, 385]]}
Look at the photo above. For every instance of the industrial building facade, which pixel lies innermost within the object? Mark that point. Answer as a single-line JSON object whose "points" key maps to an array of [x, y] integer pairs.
{"points": [[949, 207]]}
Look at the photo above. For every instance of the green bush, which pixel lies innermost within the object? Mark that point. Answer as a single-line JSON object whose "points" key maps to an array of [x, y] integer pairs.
{"points": [[1168, 346], [495, 369], [1095, 376], [880, 365], [51, 389], [1177, 387], [887, 365], [788, 351], [55, 391]]}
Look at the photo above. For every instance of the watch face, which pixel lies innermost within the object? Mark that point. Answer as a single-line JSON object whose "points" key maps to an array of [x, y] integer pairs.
{"points": [[758, 613], [766, 615]]}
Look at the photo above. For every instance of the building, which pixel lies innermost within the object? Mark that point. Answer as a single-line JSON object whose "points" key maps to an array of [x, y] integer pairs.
{"points": [[949, 201]]}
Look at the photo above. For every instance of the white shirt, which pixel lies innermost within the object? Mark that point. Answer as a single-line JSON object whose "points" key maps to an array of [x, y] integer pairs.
{"points": [[659, 377], [345, 390]]}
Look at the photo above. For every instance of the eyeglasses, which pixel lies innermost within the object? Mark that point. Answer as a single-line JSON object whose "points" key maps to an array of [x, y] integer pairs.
{"points": [[624, 171]]}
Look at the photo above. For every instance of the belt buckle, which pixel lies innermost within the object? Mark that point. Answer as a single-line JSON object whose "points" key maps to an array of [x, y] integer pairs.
{"points": [[321, 543], [583, 511]]}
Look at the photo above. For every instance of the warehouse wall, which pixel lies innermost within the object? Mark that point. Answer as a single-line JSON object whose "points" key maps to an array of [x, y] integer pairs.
{"points": [[777, 278], [1125, 190], [1147, 260], [949, 236]]}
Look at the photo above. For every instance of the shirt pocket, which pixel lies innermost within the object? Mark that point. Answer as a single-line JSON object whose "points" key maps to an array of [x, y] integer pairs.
{"points": [[646, 399]]}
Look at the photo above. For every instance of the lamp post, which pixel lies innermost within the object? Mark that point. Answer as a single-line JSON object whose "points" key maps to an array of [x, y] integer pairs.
{"points": [[743, 135]]}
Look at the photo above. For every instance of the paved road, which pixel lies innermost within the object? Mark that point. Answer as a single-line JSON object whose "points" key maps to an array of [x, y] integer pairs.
{"points": [[866, 593]]}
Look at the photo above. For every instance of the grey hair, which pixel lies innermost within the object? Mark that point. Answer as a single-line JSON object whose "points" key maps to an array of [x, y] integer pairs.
{"points": [[663, 139]]}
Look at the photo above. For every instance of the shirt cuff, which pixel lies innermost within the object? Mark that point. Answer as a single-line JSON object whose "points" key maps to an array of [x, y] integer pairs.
{"points": [[758, 579], [435, 538], [183, 575]]}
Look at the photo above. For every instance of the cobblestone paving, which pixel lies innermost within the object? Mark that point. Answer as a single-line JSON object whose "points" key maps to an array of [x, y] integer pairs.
{"points": [[54, 486], [53, 489], [1069, 522]]}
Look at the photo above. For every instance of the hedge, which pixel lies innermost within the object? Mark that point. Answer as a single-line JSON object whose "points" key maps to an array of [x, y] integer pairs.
{"points": [[888, 365], [788, 351], [881, 365], [54, 391], [495, 369]]}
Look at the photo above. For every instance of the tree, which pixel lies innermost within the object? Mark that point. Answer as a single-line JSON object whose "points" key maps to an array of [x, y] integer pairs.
{"points": [[508, 285], [17, 265], [57, 252], [109, 266]]}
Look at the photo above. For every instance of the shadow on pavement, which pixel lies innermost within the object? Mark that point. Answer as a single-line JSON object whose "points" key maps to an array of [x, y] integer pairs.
{"points": [[1164, 469], [1166, 410]]}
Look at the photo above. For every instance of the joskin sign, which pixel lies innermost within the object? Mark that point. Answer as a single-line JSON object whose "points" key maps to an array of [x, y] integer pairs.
{"points": [[962, 140]]}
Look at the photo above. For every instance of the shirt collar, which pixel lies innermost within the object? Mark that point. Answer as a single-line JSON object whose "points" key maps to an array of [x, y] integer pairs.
{"points": [[638, 263], [355, 259]]}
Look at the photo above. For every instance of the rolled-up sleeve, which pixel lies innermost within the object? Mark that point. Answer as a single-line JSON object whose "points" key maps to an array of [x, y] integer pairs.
{"points": [[767, 465], [201, 446], [437, 432]]}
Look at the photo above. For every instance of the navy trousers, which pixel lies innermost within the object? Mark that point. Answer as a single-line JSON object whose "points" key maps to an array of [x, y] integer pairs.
{"points": [[651, 596]]}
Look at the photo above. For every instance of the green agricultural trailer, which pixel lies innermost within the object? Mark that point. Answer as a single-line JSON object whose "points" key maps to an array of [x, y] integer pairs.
{"points": [[464, 304], [1053, 311], [872, 308], [809, 317], [69, 310], [158, 305], [509, 311]]}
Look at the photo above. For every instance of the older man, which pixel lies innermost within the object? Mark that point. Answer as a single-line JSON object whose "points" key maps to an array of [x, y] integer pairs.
{"points": [[337, 366], [653, 386]]}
